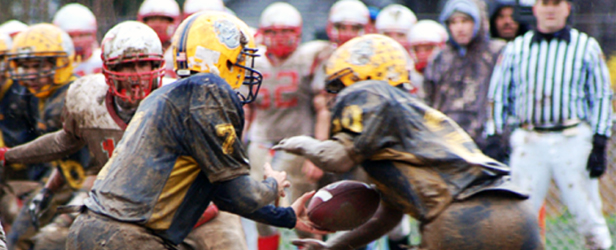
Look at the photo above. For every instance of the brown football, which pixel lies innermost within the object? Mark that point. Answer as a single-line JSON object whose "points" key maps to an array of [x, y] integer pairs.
{"points": [[343, 205]]}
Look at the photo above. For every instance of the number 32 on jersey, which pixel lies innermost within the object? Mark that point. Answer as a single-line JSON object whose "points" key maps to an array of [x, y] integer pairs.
{"points": [[279, 97]]}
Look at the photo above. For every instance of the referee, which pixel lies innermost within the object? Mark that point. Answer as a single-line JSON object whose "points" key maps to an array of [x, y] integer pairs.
{"points": [[552, 82]]}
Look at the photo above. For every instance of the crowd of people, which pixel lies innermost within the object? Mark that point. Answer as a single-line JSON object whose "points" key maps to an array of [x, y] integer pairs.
{"points": [[188, 129]]}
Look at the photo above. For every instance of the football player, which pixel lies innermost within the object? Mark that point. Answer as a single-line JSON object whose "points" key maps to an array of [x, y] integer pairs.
{"points": [[421, 161], [284, 105], [426, 38], [181, 151], [163, 16], [347, 19], [79, 22], [17, 126], [41, 59], [396, 21], [13, 27]]}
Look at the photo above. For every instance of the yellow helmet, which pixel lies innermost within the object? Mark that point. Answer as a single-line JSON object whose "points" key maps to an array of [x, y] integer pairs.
{"points": [[43, 41], [368, 57], [5, 46], [216, 42]]}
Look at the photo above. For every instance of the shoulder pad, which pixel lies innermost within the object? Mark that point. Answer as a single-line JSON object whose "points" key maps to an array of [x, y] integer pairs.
{"points": [[85, 102]]}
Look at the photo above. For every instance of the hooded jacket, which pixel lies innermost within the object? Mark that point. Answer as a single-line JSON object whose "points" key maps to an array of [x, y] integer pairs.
{"points": [[495, 8], [457, 79]]}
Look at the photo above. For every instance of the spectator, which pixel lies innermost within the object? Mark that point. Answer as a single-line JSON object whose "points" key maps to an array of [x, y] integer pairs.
{"points": [[456, 81], [503, 24], [553, 81]]}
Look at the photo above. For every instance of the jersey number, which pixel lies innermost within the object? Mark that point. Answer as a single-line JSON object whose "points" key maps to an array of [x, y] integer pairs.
{"points": [[279, 91], [350, 119], [108, 146], [227, 132]]}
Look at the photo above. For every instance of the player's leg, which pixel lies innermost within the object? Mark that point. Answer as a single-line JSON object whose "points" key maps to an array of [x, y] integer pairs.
{"points": [[259, 153], [529, 164], [96, 232], [579, 192], [222, 232], [485, 221]]}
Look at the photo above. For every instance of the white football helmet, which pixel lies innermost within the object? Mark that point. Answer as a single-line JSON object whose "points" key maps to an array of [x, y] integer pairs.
{"points": [[347, 19], [79, 22], [396, 21], [132, 42], [194, 6], [425, 39], [13, 27], [281, 29], [160, 8]]}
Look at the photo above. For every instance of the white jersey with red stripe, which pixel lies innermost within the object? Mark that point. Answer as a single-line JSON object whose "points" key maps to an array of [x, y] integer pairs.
{"points": [[284, 105], [92, 65]]}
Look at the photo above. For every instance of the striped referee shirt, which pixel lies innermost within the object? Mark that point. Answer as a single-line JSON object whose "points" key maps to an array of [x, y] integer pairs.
{"points": [[545, 80]]}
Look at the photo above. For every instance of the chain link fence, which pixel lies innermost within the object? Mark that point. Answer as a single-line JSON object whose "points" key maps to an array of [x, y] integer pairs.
{"points": [[561, 233]]}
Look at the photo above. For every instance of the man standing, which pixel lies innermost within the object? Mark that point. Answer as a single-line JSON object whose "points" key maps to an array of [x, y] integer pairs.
{"points": [[457, 80], [554, 82]]}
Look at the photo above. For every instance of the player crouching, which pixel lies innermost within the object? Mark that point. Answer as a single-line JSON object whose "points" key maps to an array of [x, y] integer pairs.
{"points": [[421, 161]]}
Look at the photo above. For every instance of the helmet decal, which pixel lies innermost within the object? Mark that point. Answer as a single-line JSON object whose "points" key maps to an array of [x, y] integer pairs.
{"points": [[227, 33]]}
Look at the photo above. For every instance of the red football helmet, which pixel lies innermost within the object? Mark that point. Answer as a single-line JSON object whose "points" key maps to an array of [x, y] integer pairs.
{"points": [[132, 42], [168, 10], [281, 29], [347, 19]]}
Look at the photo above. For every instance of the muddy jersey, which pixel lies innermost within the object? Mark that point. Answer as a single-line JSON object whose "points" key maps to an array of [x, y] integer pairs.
{"points": [[283, 107], [92, 65], [17, 126], [183, 139], [49, 119], [419, 159], [90, 117]]}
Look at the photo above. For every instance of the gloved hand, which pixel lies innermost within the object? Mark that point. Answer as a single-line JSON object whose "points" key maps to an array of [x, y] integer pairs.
{"points": [[39, 204], [497, 148], [2, 152], [296, 144], [597, 160]]}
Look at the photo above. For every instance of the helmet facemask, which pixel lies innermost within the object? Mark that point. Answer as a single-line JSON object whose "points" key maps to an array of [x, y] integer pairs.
{"points": [[36, 70], [281, 41], [252, 77], [133, 85]]}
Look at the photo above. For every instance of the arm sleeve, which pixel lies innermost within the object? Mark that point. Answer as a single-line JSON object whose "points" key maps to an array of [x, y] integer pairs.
{"points": [[600, 92], [499, 98], [48, 147], [249, 198]]}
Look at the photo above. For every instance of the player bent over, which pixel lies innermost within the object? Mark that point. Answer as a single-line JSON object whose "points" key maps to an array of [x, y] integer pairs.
{"points": [[181, 150], [423, 163]]}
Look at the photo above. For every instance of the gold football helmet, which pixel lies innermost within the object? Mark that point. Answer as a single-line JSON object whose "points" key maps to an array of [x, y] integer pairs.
{"points": [[5, 46], [368, 57], [42, 43], [216, 42]]}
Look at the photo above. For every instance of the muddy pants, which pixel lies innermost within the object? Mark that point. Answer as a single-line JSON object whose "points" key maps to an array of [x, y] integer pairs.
{"points": [[485, 221]]}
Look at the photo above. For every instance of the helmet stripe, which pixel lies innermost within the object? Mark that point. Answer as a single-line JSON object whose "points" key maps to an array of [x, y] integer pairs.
{"points": [[182, 44]]}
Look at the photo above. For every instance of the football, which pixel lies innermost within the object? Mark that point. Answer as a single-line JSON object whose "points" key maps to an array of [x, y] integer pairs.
{"points": [[343, 205]]}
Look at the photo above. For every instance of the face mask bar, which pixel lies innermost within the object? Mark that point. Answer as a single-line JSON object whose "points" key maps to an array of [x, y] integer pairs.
{"points": [[253, 77], [333, 84], [18, 74], [133, 87]]}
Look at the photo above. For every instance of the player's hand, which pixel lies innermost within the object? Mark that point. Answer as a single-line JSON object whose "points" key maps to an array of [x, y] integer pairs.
{"points": [[279, 176], [303, 222], [295, 145], [2, 152], [312, 244], [39, 204], [597, 160], [312, 172]]}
